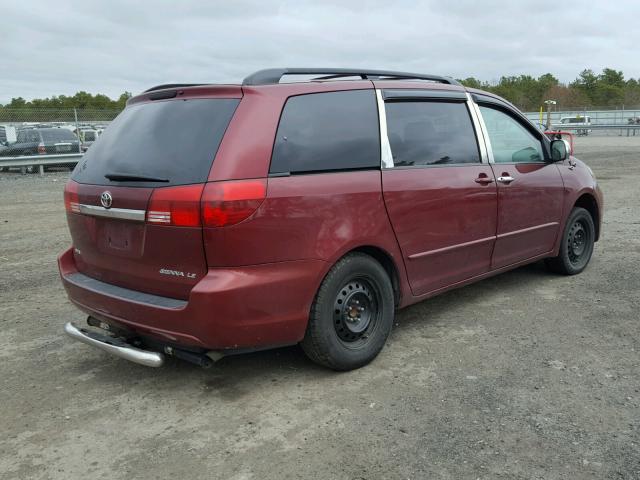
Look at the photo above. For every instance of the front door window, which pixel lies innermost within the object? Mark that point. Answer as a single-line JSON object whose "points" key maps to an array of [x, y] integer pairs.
{"points": [[511, 142]]}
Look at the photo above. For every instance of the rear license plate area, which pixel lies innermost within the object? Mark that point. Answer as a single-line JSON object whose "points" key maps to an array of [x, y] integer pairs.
{"points": [[121, 238], [63, 148]]}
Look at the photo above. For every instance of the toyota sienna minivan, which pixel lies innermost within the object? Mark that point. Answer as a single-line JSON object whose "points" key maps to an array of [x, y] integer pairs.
{"points": [[210, 220]]}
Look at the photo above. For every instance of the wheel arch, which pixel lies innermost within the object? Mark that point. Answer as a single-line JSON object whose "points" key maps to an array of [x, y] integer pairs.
{"points": [[385, 259], [589, 203]]}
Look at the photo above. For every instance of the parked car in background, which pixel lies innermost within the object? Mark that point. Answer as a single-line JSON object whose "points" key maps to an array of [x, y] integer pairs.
{"points": [[577, 121], [43, 141], [218, 219]]}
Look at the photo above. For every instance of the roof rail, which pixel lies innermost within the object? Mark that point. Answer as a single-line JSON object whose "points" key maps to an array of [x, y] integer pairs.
{"points": [[273, 75], [172, 85]]}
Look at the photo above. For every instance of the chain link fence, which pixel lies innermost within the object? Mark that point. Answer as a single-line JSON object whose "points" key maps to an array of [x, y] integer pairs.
{"points": [[31, 138], [46, 115], [13, 120]]}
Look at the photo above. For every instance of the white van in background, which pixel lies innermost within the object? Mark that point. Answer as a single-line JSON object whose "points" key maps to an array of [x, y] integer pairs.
{"points": [[7, 134], [577, 121]]}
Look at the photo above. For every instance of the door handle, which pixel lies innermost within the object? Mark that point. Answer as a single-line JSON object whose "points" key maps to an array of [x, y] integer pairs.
{"points": [[506, 179], [484, 180]]}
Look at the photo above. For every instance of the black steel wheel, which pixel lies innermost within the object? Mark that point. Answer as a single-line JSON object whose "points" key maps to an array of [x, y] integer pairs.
{"points": [[578, 241], [577, 244], [356, 311], [352, 314]]}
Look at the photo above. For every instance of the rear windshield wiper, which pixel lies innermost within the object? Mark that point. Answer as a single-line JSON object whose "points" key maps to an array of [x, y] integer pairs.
{"points": [[132, 177]]}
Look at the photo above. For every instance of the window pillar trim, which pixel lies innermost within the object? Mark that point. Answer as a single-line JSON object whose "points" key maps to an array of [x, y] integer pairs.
{"points": [[482, 135], [386, 157]]}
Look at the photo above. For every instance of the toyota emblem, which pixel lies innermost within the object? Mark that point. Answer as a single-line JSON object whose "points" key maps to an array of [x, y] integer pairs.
{"points": [[106, 199]]}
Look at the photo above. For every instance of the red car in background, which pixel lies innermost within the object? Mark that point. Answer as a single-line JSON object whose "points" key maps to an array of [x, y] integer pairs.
{"points": [[217, 219]]}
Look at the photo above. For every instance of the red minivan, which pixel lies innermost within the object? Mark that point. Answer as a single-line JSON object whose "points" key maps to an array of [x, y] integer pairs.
{"points": [[210, 220]]}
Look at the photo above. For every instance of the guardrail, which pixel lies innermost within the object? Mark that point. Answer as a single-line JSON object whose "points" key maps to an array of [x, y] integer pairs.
{"points": [[630, 129], [40, 160]]}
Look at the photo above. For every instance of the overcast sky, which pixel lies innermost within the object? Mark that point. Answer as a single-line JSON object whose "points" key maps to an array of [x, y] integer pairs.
{"points": [[51, 48]]}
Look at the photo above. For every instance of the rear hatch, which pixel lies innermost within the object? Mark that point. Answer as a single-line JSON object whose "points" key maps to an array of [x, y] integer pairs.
{"points": [[133, 201]]}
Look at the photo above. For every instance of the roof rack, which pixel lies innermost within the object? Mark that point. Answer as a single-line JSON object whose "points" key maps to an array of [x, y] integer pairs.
{"points": [[273, 75], [172, 85]]}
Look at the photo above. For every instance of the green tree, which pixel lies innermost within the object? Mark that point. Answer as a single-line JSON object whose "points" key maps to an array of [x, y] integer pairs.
{"points": [[472, 82]]}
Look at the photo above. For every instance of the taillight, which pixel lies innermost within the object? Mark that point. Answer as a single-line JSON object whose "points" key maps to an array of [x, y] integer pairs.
{"points": [[71, 200], [230, 202], [176, 206], [41, 149]]}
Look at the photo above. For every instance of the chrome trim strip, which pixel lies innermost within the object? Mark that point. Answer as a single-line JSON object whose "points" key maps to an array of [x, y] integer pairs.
{"points": [[117, 348], [527, 230], [121, 213], [424, 94], [483, 128], [484, 157], [451, 248], [385, 147]]}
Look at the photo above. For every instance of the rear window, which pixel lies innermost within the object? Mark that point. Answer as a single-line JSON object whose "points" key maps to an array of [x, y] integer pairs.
{"points": [[28, 136], [322, 132], [57, 135], [174, 140]]}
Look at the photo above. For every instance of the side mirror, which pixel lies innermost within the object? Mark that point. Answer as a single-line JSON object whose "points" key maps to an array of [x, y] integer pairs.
{"points": [[559, 150]]}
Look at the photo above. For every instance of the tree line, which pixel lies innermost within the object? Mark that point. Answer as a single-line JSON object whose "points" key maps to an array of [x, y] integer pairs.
{"points": [[608, 89], [60, 108], [81, 100]]}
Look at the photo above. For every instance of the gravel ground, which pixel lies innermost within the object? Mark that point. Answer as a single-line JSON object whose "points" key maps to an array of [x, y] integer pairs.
{"points": [[525, 375]]}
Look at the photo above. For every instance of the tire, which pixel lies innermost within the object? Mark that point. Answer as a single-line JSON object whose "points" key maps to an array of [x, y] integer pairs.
{"points": [[352, 314], [576, 248]]}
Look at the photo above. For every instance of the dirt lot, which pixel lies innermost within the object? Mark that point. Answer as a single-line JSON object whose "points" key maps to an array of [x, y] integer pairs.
{"points": [[526, 375]]}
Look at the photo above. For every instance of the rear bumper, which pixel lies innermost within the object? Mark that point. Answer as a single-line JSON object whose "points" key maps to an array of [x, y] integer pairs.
{"points": [[248, 307]]}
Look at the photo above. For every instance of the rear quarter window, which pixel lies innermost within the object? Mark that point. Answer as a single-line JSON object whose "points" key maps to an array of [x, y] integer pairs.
{"points": [[175, 140], [330, 131]]}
